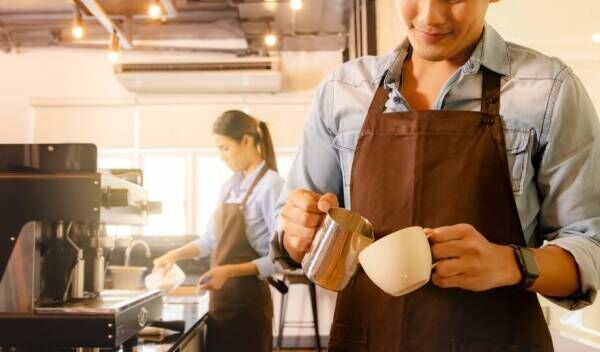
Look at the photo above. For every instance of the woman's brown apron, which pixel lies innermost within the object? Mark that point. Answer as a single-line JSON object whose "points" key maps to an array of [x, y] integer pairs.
{"points": [[240, 313]]}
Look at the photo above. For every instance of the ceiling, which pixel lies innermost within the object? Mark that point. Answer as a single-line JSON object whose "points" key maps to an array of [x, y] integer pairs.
{"points": [[232, 26]]}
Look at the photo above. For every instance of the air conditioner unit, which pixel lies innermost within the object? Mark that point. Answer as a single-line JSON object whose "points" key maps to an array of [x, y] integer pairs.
{"points": [[244, 75]]}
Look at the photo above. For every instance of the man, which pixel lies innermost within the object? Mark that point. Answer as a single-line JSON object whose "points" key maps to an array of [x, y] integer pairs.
{"points": [[492, 146]]}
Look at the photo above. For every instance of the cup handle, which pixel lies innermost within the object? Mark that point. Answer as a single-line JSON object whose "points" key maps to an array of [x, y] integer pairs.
{"points": [[436, 263]]}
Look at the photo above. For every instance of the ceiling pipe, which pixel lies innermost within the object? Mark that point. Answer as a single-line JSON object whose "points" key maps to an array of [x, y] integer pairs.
{"points": [[153, 48], [167, 5], [11, 43], [95, 9]]}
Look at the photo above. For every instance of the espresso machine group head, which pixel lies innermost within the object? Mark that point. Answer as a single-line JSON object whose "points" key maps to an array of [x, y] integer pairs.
{"points": [[54, 208]]}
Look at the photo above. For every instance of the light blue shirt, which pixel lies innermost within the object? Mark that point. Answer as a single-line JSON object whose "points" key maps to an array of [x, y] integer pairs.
{"points": [[259, 215], [551, 130]]}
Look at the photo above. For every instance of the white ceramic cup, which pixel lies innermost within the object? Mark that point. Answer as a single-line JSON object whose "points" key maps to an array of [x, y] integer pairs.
{"points": [[400, 262]]}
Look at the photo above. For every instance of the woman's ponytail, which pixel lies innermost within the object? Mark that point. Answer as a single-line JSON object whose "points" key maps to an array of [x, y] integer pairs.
{"points": [[266, 146]]}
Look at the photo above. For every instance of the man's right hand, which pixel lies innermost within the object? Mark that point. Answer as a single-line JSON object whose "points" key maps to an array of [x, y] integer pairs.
{"points": [[301, 216]]}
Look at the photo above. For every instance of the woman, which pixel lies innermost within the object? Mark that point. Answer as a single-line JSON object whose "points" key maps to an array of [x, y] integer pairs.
{"points": [[237, 238]]}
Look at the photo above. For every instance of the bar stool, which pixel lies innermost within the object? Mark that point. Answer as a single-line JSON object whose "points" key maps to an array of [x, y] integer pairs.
{"points": [[299, 279]]}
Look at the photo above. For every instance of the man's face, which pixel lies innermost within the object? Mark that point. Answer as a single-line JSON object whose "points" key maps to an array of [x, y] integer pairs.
{"points": [[443, 29]]}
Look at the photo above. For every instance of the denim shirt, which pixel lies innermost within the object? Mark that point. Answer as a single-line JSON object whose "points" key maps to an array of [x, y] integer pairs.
{"points": [[551, 131], [259, 215]]}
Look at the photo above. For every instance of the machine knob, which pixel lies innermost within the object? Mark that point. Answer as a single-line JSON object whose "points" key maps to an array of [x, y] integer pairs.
{"points": [[116, 197], [154, 207]]}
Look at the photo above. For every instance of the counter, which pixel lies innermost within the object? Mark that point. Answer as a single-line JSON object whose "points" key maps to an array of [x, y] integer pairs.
{"points": [[184, 305], [189, 307]]}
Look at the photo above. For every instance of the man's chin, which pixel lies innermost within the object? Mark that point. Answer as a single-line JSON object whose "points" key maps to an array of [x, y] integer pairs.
{"points": [[431, 54]]}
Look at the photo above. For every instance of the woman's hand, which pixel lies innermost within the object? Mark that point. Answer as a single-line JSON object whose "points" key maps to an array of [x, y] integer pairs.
{"points": [[164, 262], [469, 261], [215, 278]]}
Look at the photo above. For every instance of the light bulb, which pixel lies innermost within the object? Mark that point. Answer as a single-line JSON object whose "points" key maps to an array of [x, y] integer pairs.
{"points": [[296, 4], [270, 39], [596, 37], [113, 56], [154, 11], [114, 48], [77, 31]]}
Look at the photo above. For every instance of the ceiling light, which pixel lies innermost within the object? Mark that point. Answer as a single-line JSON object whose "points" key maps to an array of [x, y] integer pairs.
{"points": [[154, 10], [114, 52], [270, 39], [296, 4], [596, 37], [77, 29]]}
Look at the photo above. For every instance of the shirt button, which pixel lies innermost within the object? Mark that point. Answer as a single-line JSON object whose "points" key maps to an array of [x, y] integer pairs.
{"points": [[397, 100]]}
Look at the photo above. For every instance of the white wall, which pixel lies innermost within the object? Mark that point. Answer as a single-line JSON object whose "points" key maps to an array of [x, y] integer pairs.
{"points": [[73, 89], [390, 29]]}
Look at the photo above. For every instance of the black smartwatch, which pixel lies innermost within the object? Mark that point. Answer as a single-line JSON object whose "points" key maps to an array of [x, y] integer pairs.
{"points": [[527, 266]]}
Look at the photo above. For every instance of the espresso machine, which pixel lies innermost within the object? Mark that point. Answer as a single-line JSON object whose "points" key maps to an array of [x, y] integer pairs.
{"points": [[54, 209]]}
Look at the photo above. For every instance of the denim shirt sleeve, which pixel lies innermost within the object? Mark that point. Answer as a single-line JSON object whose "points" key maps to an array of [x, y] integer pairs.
{"points": [[568, 181], [268, 202], [316, 166], [208, 240]]}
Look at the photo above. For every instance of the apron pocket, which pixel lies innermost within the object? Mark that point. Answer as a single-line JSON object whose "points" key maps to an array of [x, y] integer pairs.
{"points": [[517, 154], [487, 346], [346, 337]]}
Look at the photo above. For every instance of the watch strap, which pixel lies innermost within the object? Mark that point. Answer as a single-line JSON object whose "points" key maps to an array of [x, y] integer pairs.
{"points": [[528, 275]]}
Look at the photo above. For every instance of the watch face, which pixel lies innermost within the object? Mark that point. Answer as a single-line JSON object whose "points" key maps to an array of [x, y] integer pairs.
{"points": [[530, 264]]}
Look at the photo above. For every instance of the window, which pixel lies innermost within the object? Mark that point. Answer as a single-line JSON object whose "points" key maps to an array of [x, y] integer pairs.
{"points": [[165, 180], [211, 174], [284, 163], [187, 182]]}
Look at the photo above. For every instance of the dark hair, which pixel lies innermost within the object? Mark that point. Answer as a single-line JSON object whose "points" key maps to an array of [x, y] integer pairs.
{"points": [[236, 124]]}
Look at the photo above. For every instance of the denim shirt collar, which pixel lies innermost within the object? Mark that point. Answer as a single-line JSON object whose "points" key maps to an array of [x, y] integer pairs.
{"points": [[491, 51]]}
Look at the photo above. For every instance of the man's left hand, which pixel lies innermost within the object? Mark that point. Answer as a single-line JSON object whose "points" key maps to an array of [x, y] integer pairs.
{"points": [[467, 260]]}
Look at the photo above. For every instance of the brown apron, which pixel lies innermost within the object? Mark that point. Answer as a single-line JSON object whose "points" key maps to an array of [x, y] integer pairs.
{"points": [[437, 168], [240, 313]]}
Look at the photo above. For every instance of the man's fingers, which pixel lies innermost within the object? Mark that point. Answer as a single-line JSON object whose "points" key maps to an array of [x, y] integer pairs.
{"points": [[304, 199], [448, 233], [291, 228], [446, 250], [447, 282], [327, 201], [451, 267], [298, 243], [293, 214]]}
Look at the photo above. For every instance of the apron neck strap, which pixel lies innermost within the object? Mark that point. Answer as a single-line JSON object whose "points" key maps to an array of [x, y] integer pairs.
{"points": [[262, 172], [381, 96], [490, 92]]}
